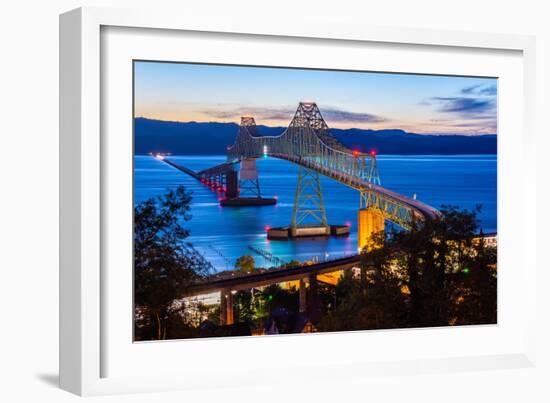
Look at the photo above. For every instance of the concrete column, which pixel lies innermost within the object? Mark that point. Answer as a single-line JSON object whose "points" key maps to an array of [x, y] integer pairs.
{"points": [[223, 308], [230, 319], [232, 183], [313, 298], [303, 295], [226, 307], [371, 221]]}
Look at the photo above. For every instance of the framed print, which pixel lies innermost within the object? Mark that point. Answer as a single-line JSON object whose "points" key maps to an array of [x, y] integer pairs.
{"points": [[231, 193], [286, 251]]}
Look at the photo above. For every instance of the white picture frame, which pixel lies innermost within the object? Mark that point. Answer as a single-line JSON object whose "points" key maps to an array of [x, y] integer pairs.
{"points": [[84, 163]]}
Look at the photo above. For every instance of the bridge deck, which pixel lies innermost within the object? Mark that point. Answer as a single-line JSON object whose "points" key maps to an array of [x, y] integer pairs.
{"points": [[362, 185], [273, 276], [218, 169], [346, 179], [427, 211], [188, 171], [307, 141]]}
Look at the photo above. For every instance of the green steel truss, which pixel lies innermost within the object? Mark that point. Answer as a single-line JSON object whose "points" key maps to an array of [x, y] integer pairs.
{"points": [[250, 188], [308, 143], [309, 207]]}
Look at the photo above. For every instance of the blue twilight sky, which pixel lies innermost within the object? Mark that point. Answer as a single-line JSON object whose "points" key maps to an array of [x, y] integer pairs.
{"points": [[415, 103]]}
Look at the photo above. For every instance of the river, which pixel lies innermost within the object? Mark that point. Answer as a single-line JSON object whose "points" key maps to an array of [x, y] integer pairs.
{"points": [[224, 234]]}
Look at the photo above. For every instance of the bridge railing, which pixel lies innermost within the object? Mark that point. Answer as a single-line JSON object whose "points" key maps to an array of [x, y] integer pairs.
{"points": [[304, 145], [303, 142]]}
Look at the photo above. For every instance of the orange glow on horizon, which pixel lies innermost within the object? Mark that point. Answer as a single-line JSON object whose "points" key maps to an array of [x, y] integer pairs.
{"points": [[410, 127], [422, 124]]}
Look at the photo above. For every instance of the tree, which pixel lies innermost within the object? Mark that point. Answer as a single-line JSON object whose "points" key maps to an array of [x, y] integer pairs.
{"points": [[164, 264], [475, 298], [347, 315], [245, 264], [293, 263], [439, 273], [372, 299], [243, 306], [435, 259]]}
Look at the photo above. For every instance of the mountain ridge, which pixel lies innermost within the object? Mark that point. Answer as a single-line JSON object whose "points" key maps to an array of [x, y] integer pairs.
{"points": [[212, 138]]}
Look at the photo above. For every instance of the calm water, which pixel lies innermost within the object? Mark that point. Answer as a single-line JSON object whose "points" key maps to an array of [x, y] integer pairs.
{"points": [[224, 234]]}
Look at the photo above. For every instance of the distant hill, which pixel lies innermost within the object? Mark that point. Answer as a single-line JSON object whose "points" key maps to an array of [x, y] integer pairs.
{"points": [[211, 138]]}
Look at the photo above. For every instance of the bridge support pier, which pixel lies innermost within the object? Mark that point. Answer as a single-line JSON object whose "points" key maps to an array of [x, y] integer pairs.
{"points": [[303, 295], [226, 307], [232, 184], [249, 184], [371, 221], [313, 304], [309, 216]]}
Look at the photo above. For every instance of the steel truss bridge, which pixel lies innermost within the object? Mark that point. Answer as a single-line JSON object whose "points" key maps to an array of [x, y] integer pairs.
{"points": [[308, 143]]}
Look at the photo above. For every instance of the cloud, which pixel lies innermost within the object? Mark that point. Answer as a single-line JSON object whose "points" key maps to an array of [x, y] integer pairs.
{"points": [[490, 90], [286, 114], [475, 99], [258, 113], [477, 113], [220, 114], [487, 124], [464, 105], [339, 115], [273, 113], [479, 89], [470, 90]]}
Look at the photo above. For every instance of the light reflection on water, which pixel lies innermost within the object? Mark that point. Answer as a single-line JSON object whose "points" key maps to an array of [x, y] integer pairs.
{"points": [[223, 234]]}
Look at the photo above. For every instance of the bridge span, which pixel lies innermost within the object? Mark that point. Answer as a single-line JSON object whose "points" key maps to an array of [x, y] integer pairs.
{"points": [[272, 276], [308, 143], [306, 276]]}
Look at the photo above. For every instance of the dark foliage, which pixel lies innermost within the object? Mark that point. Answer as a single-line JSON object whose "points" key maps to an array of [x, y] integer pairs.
{"points": [[164, 264], [245, 264], [438, 274]]}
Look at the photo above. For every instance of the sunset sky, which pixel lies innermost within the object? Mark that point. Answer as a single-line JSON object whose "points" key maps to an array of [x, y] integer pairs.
{"points": [[415, 103]]}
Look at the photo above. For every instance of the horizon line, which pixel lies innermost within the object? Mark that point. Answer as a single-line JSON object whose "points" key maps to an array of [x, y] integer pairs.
{"points": [[330, 127]]}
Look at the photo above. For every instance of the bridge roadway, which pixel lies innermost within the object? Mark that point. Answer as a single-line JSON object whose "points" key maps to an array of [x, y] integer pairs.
{"points": [[422, 210], [347, 179], [188, 171], [272, 276], [426, 211]]}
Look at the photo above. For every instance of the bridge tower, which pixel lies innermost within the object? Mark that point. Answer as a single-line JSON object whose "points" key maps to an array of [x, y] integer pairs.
{"points": [[309, 214], [249, 183], [308, 143], [309, 207], [309, 115]]}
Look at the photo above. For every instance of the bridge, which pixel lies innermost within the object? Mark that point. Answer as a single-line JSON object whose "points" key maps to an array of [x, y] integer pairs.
{"points": [[308, 143], [306, 277]]}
